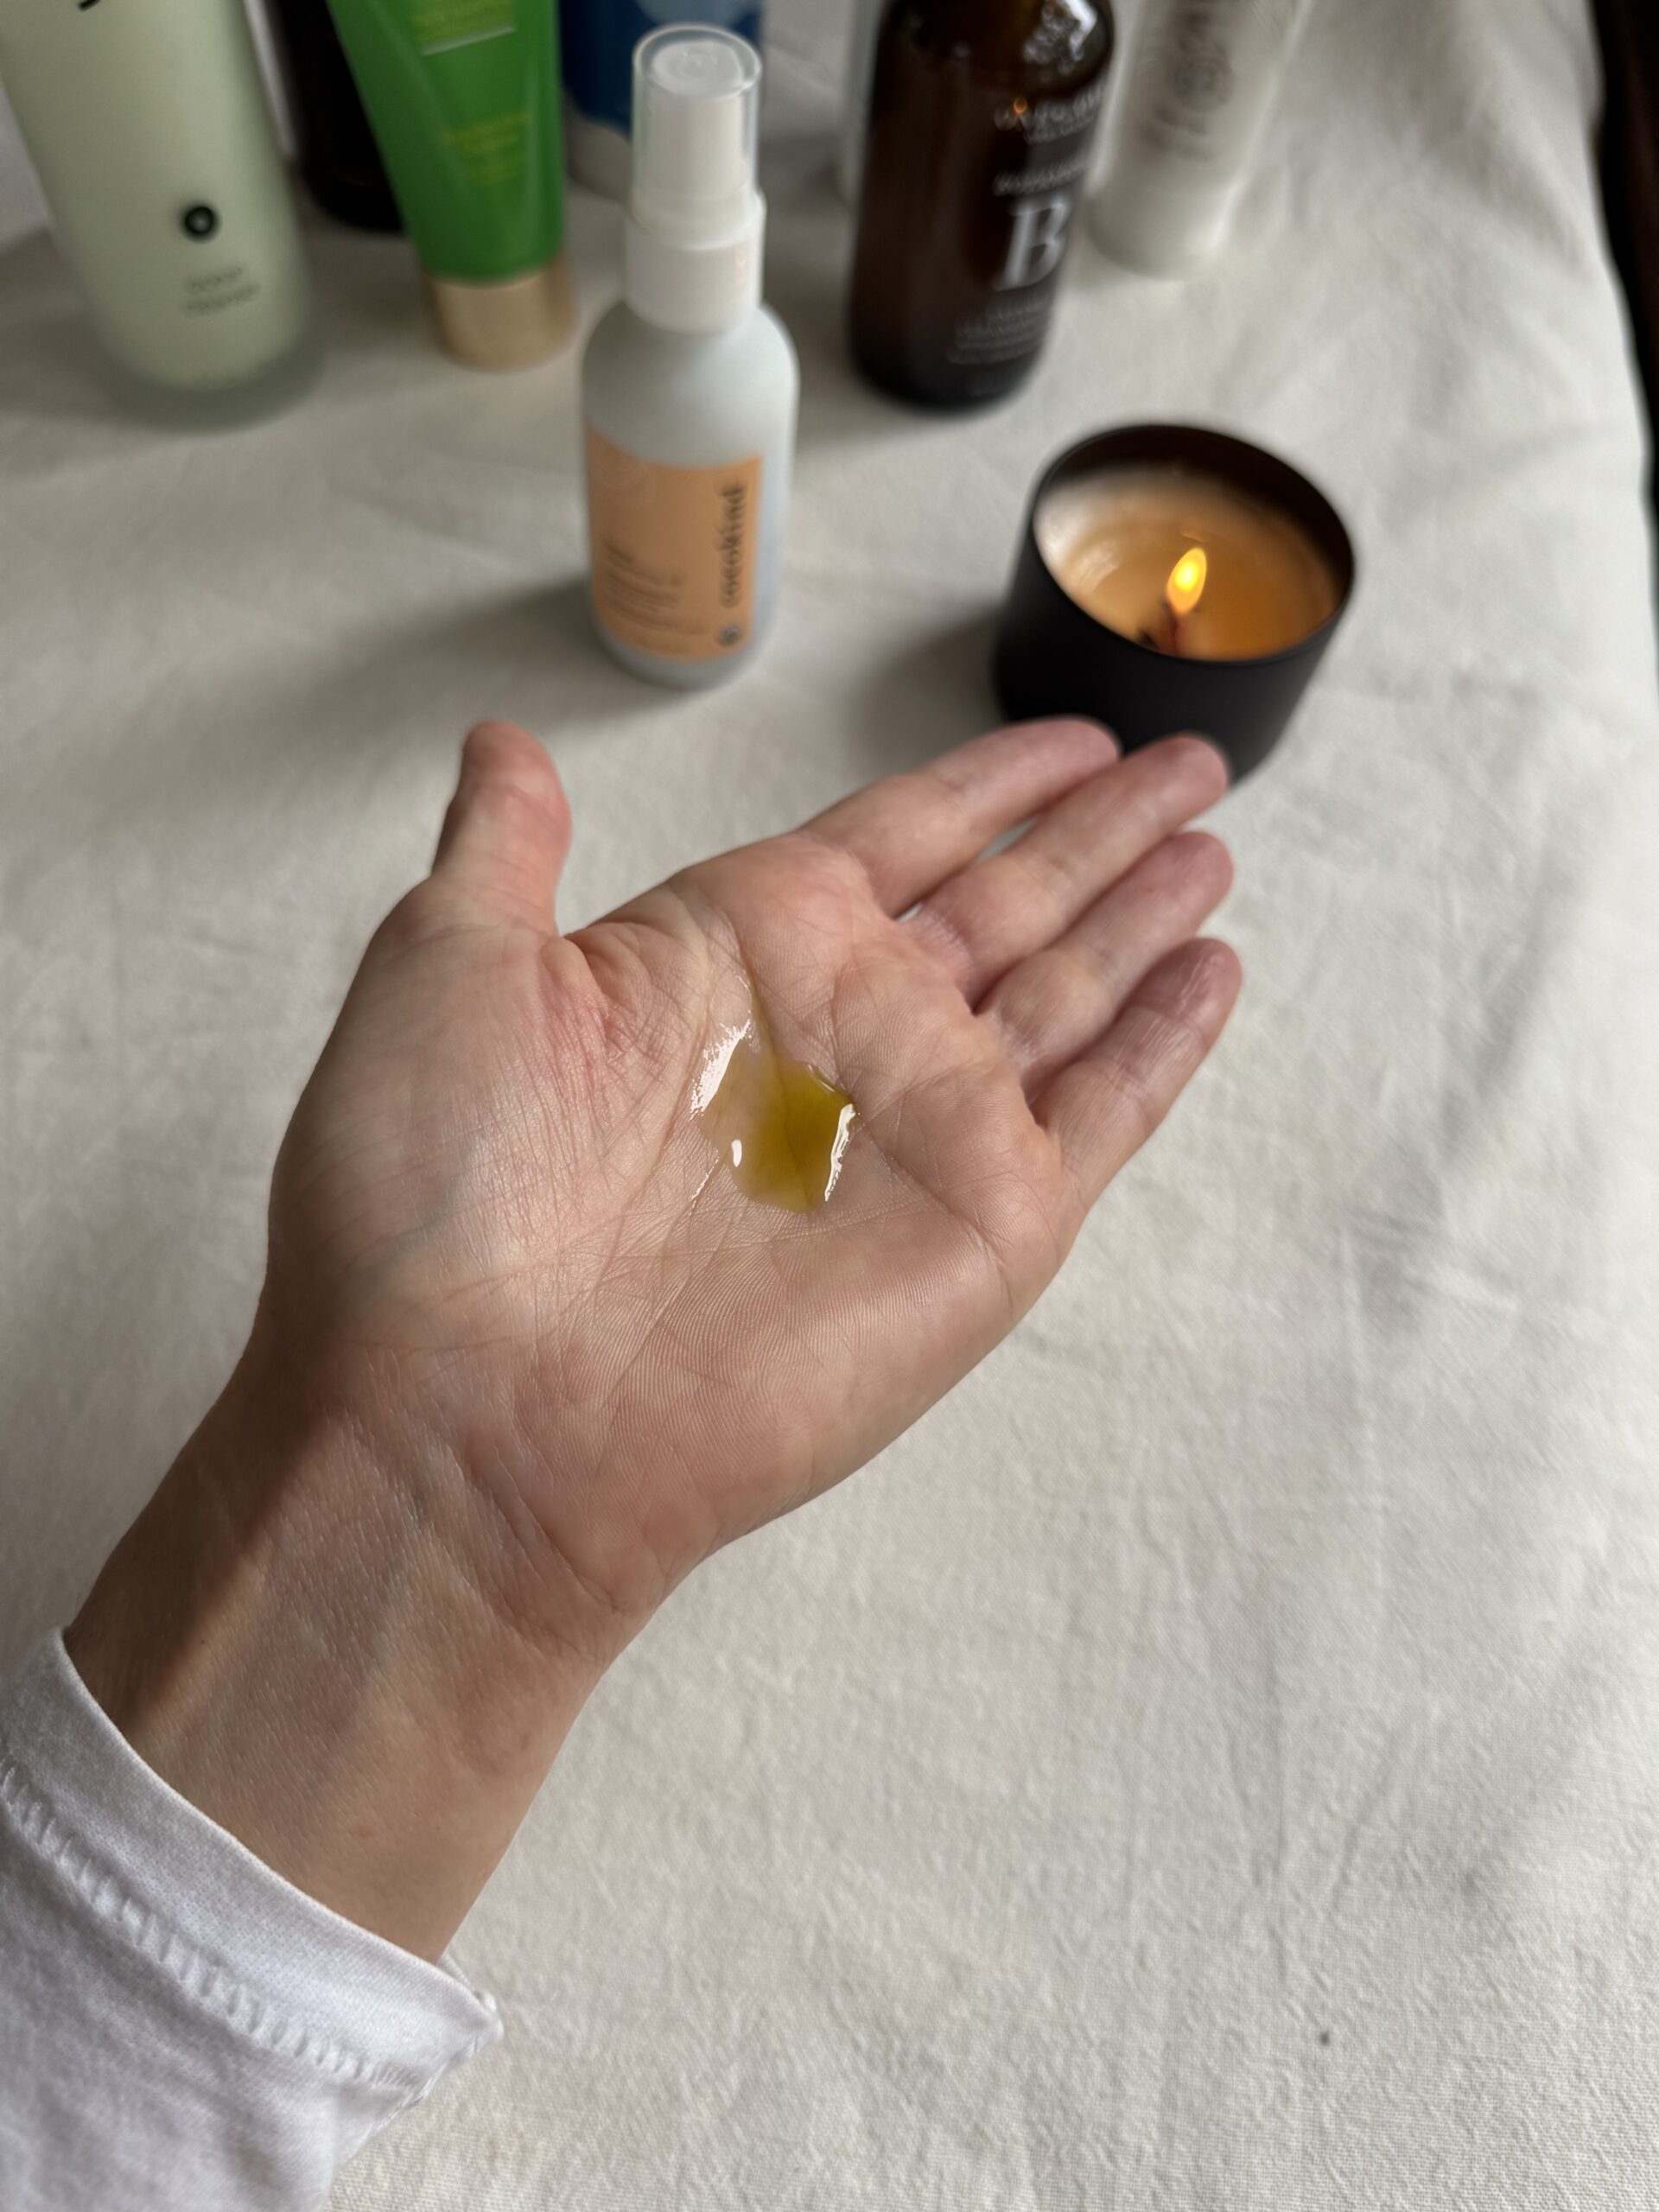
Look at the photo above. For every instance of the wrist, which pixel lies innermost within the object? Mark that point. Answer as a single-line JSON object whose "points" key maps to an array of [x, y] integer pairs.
{"points": [[307, 1634]]}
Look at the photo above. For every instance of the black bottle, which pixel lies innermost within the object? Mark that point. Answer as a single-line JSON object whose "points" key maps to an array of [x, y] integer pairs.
{"points": [[982, 113], [338, 159]]}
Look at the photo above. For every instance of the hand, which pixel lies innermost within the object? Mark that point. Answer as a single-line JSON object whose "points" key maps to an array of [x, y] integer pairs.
{"points": [[509, 1280], [496, 1201]]}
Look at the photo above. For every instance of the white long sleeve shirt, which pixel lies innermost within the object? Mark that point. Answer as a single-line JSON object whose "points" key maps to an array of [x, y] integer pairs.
{"points": [[180, 2027]]}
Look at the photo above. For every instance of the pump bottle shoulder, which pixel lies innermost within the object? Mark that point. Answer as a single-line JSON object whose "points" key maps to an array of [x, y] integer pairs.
{"points": [[686, 399]]}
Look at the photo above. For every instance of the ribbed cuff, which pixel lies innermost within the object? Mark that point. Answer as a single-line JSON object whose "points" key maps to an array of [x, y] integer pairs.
{"points": [[241, 1944]]}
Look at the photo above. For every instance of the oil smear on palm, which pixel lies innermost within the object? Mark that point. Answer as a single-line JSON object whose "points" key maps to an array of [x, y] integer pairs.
{"points": [[779, 1128]]}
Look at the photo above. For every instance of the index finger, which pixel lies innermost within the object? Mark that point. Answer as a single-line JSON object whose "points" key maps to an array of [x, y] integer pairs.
{"points": [[910, 831]]}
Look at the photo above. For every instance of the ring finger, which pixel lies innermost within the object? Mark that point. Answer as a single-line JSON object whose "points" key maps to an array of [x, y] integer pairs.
{"points": [[1054, 1005], [1002, 909]]}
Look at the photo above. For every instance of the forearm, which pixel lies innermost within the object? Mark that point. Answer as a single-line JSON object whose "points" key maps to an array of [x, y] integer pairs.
{"points": [[302, 1634]]}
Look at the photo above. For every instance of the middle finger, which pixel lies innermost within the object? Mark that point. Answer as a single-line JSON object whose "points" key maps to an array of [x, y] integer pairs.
{"points": [[1000, 910]]}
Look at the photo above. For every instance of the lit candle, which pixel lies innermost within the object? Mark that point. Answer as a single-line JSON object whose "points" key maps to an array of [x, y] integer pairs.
{"points": [[1185, 564], [1181, 594], [1173, 579]]}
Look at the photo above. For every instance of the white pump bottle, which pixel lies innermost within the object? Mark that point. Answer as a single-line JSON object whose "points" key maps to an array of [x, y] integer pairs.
{"points": [[689, 385]]}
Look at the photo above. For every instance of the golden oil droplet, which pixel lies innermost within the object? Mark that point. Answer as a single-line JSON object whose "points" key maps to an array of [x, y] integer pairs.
{"points": [[779, 1126]]}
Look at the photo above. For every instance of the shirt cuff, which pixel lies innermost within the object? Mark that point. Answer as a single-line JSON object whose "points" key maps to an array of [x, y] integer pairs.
{"points": [[245, 1950]]}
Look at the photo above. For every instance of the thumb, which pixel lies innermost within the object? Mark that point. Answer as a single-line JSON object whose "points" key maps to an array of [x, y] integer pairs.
{"points": [[508, 828]]}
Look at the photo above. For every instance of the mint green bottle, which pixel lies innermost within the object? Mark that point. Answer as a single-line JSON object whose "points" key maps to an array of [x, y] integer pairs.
{"points": [[147, 125]]}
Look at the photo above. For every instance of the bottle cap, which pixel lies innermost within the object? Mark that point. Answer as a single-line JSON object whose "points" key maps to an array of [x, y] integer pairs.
{"points": [[508, 324], [696, 219]]}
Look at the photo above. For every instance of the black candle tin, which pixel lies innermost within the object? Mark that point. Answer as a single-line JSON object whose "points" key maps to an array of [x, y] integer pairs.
{"points": [[1054, 657]]}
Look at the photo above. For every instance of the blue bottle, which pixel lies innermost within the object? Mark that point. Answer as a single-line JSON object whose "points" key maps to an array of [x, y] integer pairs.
{"points": [[597, 39]]}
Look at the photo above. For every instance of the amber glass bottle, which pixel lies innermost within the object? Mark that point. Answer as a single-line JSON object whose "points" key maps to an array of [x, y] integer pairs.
{"points": [[982, 116]]}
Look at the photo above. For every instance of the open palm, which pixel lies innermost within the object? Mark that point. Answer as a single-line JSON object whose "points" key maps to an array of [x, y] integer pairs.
{"points": [[499, 1205]]}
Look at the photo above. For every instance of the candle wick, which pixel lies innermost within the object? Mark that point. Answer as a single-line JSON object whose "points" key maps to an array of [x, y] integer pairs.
{"points": [[1168, 638]]}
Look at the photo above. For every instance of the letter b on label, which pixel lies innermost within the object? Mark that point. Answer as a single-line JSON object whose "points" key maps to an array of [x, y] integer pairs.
{"points": [[1037, 241]]}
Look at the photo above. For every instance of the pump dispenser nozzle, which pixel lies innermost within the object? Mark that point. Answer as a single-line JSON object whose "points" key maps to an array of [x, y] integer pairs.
{"points": [[696, 219]]}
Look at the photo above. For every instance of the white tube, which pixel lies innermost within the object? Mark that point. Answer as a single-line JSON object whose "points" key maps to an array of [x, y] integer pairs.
{"points": [[156, 149], [1201, 82]]}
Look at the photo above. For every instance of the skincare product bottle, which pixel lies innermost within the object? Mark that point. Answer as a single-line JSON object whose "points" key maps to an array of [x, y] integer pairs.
{"points": [[338, 156], [597, 39], [689, 386], [1202, 79], [463, 96], [983, 117], [856, 96], [158, 158]]}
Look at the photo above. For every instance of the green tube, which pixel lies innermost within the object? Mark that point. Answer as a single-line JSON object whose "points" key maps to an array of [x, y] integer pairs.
{"points": [[463, 97]]}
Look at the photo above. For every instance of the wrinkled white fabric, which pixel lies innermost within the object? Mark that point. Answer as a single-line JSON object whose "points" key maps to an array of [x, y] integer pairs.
{"points": [[180, 2029], [1214, 1759]]}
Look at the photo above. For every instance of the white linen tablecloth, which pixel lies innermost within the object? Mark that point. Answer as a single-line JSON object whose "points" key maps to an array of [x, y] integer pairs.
{"points": [[1213, 1760]]}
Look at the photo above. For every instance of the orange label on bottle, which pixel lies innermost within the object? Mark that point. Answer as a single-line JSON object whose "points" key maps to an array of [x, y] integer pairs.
{"points": [[672, 551]]}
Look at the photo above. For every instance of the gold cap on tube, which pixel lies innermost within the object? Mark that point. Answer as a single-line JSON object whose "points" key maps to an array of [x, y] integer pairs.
{"points": [[509, 324]]}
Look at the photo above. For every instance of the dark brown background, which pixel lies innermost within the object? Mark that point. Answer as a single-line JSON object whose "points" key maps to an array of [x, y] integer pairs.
{"points": [[1630, 167]]}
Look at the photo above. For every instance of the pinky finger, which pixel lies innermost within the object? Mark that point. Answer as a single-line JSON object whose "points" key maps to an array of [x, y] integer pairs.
{"points": [[1101, 1109]]}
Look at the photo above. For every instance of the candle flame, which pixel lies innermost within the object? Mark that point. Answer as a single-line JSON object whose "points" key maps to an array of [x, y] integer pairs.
{"points": [[1187, 580]]}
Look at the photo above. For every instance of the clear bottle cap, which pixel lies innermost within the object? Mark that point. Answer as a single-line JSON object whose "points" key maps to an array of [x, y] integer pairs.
{"points": [[695, 217], [696, 108]]}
